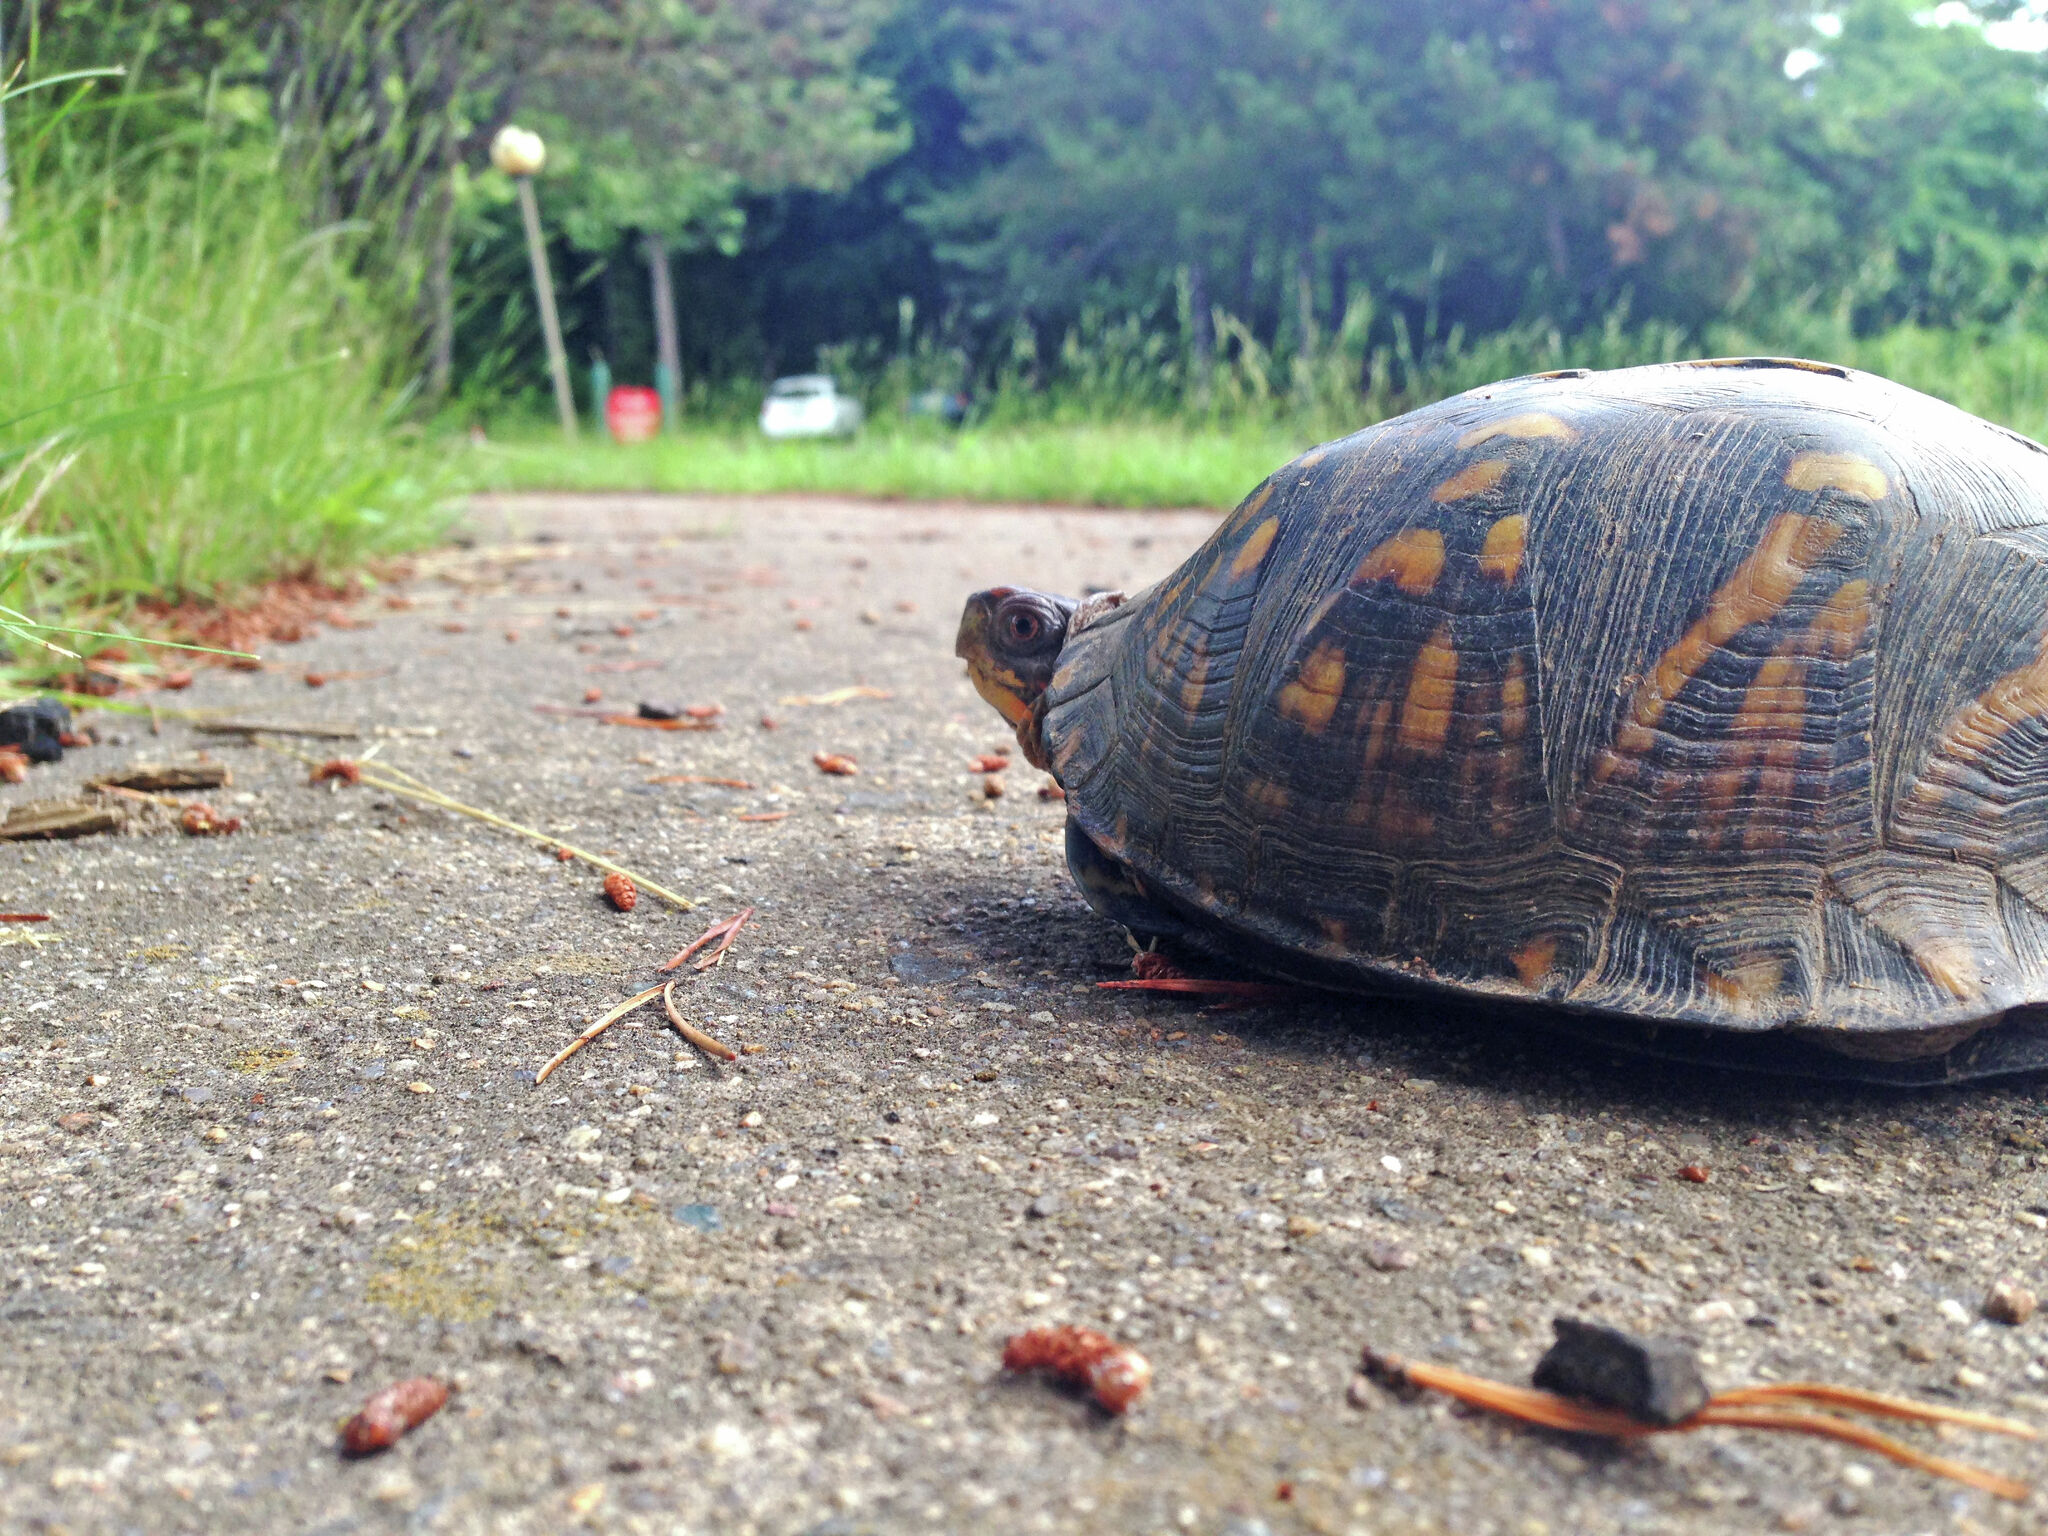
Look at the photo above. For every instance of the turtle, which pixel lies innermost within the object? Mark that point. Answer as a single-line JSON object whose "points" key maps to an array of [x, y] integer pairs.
{"points": [[1701, 707]]}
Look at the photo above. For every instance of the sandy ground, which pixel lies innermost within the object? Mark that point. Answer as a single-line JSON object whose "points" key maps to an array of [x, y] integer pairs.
{"points": [[269, 1136]]}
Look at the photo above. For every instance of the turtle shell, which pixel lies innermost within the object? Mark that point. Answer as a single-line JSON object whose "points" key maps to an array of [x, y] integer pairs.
{"points": [[1713, 693]]}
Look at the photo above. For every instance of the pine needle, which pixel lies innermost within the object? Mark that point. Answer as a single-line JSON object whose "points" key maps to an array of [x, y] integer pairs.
{"points": [[1744, 1408], [691, 1032], [595, 1030]]}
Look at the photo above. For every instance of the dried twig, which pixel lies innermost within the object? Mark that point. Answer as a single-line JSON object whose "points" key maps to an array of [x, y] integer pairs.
{"points": [[700, 778], [691, 1032], [1744, 1408], [214, 727], [721, 933], [24, 917], [590, 1034]]}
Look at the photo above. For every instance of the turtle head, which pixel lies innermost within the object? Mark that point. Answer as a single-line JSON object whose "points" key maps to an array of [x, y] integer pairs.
{"points": [[1010, 640]]}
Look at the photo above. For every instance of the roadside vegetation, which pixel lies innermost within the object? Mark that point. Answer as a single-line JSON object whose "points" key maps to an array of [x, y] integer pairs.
{"points": [[265, 306]]}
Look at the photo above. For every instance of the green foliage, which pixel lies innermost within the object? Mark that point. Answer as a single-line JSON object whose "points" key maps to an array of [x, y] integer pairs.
{"points": [[1133, 464], [191, 383]]}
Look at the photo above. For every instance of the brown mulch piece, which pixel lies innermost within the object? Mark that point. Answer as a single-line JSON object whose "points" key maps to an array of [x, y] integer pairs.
{"points": [[762, 816], [395, 1411], [42, 820], [700, 778], [836, 763], [24, 917], [163, 776], [285, 611]]}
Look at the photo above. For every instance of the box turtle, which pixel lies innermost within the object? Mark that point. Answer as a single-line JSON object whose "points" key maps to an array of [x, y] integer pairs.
{"points": [[1703, 705]]}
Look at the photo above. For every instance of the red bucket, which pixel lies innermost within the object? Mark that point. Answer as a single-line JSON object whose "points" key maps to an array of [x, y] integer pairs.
{"points": [[633, 412]]}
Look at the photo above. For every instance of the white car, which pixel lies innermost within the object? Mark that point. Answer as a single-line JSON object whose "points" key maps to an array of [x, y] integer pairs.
{"points": [[809, 405]]}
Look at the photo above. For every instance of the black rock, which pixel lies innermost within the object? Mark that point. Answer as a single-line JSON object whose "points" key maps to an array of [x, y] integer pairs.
{"points": [[1656, 1380], [38, 728], [651, 711]]}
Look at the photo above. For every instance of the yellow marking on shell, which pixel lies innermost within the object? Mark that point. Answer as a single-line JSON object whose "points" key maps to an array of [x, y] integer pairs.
{"points": [[1266, 794], [1949, 965], [1533, 960], [1335, 934], [1376, 733], [1255, 503], [1413, 558], [1769, 724], [1399, 819], [1839, 627], [1837, 472], [1472, 480], [1501, 555], [1197, 681], [1253, 552], [1758, 589], [1973, 730], [1312, 698], [1514, 701], [1751, 981], [1432, 690], [1531, 424]]}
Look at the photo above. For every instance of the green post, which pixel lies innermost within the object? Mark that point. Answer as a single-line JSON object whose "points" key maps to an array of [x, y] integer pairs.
{"points": [[600, 387]]}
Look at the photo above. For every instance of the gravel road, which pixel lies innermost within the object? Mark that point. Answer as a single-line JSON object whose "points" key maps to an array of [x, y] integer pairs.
{"points": [[269, 1137]]}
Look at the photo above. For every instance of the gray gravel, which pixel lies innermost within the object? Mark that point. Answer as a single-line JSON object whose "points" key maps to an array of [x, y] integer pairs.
{"points": [[680, 1296]]}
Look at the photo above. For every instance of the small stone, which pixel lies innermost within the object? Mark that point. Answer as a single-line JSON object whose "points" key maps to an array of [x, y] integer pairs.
{"points": [[1048, 1204], [1653, 1379], [1954, 1311], [1716, 1311], [1536, 1256], [419, 1088], [77, 1123], [1303, 1226], [2010, 1303], [1857, 1476], [704, 1218], [727, 1442], [1360, 1394], [1916, 1351], [1388, 1256], [1975, 1380], [1419, 1085]]}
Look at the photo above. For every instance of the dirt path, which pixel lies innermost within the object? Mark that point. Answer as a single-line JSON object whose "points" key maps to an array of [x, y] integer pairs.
{"points": [[269, 1137]]}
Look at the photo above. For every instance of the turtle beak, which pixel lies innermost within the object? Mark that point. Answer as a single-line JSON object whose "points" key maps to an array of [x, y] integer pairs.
{"points": [[998, 684]]}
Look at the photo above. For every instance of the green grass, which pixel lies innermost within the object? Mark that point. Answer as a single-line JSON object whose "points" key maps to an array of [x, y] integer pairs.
{"points": [[1129, 464], [197, 383], [1168, 462]]}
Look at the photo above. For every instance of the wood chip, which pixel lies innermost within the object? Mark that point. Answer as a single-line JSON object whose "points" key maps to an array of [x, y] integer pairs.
{"points": [[162, 776]]}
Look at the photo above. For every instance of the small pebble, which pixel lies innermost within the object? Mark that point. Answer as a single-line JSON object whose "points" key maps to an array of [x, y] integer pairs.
{"points": [[1954, 1311], [2010, 1303], [1388, 1256]]}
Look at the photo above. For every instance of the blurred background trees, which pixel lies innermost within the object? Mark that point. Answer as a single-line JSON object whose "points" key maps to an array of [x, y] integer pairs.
{"points": [[1203, 205]]}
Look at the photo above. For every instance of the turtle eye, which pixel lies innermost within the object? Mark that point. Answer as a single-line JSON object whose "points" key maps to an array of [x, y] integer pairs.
{"points": [[1022, 627]]}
